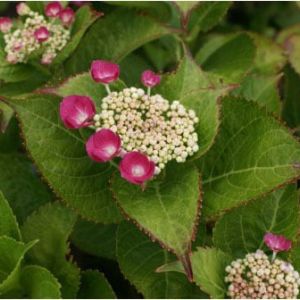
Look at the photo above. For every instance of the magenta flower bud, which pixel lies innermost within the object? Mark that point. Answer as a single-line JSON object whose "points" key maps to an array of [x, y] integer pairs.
{"points": [[150, 79], [41, 34], [104, 71], [22, 9], [77, 111], [103, 145], [67, 16], [53, 9], [277, 243], [5, 24], [136, 167]]}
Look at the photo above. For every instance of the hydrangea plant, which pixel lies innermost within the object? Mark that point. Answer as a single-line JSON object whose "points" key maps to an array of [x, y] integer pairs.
{"points": [[149, 153]]}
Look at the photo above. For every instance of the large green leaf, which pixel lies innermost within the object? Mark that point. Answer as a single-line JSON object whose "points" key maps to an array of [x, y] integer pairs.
{"points": [[52, 225], [11, 257], [190, 85], [38, 283], [229, 56], [253, 154], [21, 186], [113, 37], [262, 89], [60, 155], [8, 223], [84, 18], [209, 270], [291, 96], [206, 15], [270, 58], [94, 285], [10, 140], [6, 113], [95, 239], [158, 208], [159, 9], [242, 230], [139, 258], [83, 84]]}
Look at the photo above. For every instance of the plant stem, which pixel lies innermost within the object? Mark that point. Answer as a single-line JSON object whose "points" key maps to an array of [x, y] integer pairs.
{"points": [[274, 255], [107, 88], [149, 91]]}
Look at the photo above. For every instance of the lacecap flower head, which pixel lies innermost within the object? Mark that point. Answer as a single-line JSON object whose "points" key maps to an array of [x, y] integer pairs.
{"points": [[257, 276], [146, 131], [47, 33]]}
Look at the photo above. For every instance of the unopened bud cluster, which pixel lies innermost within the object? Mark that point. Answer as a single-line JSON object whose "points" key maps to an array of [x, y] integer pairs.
{"points": [[150, 124], [21, 43], [257, 277]]}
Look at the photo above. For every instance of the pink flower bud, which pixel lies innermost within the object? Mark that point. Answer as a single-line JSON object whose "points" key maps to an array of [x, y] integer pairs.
{"points": [[104, 71], [41, 34], [12, 58], [47, 59], [103, 145], [136, 167], [53, 9], [150, 79], [22, 9], [277, 243], [18, 45], [77, 111], [67, 16], [5, 24]]}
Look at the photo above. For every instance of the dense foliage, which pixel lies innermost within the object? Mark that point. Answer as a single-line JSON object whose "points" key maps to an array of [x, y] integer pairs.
{"points": [[71, 227]]}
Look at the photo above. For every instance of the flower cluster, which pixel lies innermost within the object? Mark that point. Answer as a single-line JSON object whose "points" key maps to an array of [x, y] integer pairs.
{"points": [[258, 277], [145, 130], [38, 35]]}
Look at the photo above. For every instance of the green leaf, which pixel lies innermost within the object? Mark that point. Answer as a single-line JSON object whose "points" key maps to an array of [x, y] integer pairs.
{"points": [[158, 208], [229, 56], [262, 89], [52, 224], [206, 16], [293, 47], [39, 283], [11, 257], [209, 271], [190, 85], [139, 258], [60, 155], [163, 53], [120, 33], [241, 230], [16, 73], [8, 222], [160, 10], [10, 140], [291, 96], [253, 154], [83, 84], [270, 58], [185, 7], [94, 285], [31, 193], [95, 239], [130, 75], [6, 113], [84, 18]]}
